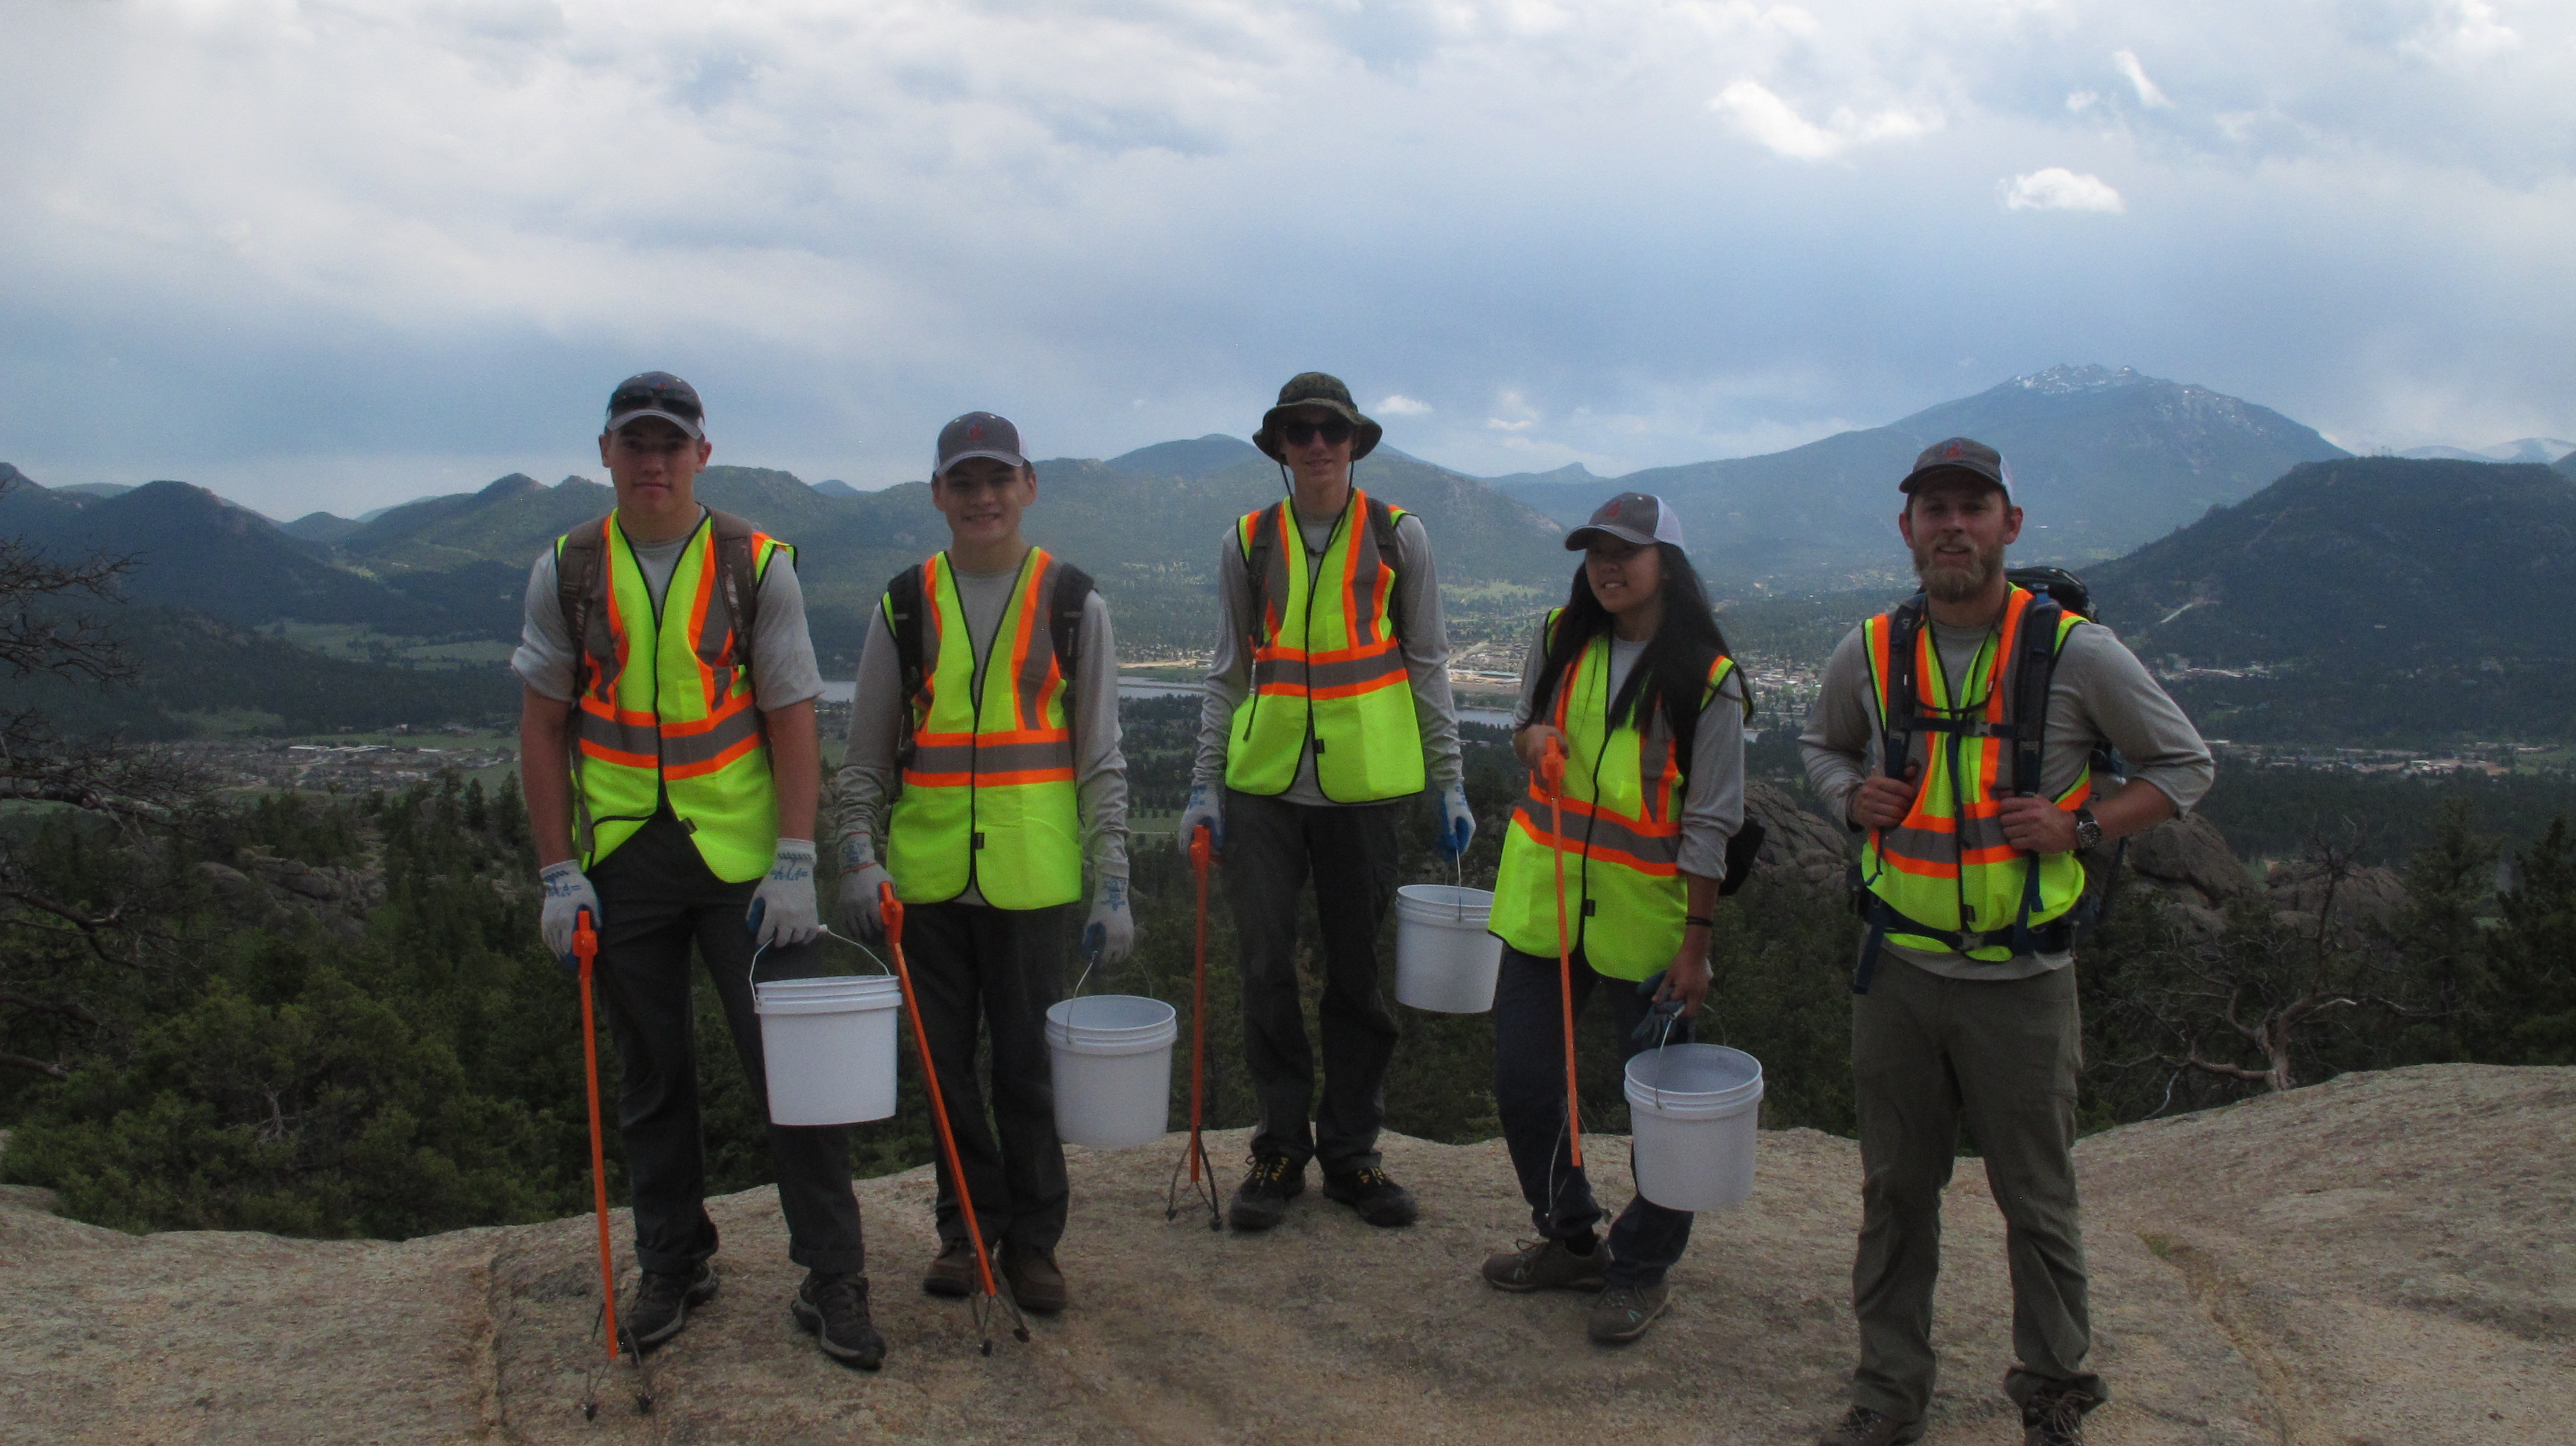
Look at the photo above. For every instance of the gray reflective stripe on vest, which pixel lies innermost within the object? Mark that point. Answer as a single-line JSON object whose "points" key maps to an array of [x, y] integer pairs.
{"points": [[952, 758], [1601, 831], [640, 739], [1319, 677], [680, 749]]}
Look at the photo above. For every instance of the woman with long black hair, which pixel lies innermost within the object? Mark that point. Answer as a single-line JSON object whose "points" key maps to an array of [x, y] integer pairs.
{"points": [[1632, 680]]}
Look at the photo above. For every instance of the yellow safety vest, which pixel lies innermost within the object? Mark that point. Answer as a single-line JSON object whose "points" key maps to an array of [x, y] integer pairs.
{"points": [[1948, 866], [1625, 897], [1327, 663], [988, 795], [666, 713]]}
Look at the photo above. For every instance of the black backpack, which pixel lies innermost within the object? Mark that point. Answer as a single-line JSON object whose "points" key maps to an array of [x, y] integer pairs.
{"points": [[1066, 598]]}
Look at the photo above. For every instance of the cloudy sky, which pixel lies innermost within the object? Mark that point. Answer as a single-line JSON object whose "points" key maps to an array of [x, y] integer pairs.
{"points": [[343, 254]]}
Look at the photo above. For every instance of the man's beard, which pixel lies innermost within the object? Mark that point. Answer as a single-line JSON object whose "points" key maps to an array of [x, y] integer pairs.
{"points": [[1956, 582]]}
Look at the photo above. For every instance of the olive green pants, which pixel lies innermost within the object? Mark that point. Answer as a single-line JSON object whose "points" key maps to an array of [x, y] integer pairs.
{"points": [[1930, 1054]]}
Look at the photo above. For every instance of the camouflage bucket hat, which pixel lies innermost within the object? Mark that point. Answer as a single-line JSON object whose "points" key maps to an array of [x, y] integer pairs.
{"points": [[1317, 389]]}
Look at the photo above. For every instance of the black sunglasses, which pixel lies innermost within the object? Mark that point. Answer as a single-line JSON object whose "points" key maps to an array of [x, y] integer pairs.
{"points": [[1298, 434]]}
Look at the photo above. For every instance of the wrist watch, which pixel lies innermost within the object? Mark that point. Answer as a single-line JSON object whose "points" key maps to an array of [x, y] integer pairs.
{"points": [[2088, 829]]}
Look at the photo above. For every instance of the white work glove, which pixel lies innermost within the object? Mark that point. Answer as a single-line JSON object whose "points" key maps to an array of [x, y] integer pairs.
{"points": [[782, 913], [1457, 825], [1204, 807], [862, 907], [568, 892], [1109, 936]]}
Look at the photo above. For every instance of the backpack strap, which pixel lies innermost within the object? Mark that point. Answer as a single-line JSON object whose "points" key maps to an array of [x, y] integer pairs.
{"points": [[1382, 520], [738, 573], [2040, 623], [903, 613], [581, 559], [1066, 601], [1902, 708]]}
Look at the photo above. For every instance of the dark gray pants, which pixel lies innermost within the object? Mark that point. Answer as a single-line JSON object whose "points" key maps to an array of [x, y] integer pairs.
{"points": [[973, 964], [656, 896], [2001, 1056], [1529, 1094], [1270, 848]]}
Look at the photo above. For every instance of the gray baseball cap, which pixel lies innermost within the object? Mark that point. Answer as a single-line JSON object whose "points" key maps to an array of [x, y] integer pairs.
{"points": [[657, 394], [1960, 454], [1640, 518], [978, 434]]}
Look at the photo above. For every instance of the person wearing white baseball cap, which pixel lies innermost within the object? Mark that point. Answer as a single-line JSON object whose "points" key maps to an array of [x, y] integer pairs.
{"points": [[1632, 680]]}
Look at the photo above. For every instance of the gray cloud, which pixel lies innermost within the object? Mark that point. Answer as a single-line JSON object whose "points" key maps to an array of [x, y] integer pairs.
{"points": [[334, 253]]}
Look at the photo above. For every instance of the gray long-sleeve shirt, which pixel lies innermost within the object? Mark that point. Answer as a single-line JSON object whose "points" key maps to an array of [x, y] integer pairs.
{"points": [[2100, 691], [1713, 802], [869, 782], [1423, 637]]}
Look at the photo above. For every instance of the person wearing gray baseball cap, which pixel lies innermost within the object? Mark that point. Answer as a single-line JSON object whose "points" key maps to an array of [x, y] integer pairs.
{"points": [[1327, 711], [682, 818], [987, 825], [1968, 764], [1631, 687]]}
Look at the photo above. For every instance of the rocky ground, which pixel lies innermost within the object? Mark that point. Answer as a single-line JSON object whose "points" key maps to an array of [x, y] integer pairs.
{"points": [[2386, 1260]]}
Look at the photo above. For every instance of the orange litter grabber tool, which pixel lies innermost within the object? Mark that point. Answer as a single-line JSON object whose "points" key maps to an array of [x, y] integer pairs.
{"points": [[1201, 1185], [1552, 769], [892, 909], [585, 947]]}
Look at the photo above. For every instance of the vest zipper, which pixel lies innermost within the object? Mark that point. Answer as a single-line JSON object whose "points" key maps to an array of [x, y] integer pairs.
{"points": [[1314, 582]]}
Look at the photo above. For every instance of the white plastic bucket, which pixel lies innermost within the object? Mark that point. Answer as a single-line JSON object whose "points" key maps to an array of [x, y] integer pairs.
{"points": [[829, 1046], [1692, 1110], [1112, 1056], [1444, 959]]}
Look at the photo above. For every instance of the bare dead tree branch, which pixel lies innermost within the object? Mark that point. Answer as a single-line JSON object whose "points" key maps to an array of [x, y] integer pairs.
{"points": [[50, 1071]]}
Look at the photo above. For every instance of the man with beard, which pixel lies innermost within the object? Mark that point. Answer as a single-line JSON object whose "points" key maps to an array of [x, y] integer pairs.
{"points": [[1965, 1010]]}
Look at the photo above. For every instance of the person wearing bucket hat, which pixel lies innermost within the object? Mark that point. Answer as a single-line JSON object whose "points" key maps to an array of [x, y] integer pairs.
{"points": [[1957, 732], [1631, 680], [1327, 709], [986, 724], [681, 815]]}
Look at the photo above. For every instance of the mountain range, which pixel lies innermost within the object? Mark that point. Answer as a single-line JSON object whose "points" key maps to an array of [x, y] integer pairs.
{"points": [[2105, 460]]}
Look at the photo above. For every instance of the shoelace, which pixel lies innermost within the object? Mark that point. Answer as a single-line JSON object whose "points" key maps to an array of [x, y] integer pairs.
{"points": [[1268, 1169], [2059, 1419]]}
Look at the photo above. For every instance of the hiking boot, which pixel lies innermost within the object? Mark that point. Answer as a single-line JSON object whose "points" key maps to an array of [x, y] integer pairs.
{"points": [[1624, 1311], [1034, 1280], [834, 1309], [1261, 1201], [953, 1273], [660, 1305], [2056, 1419], [1368, 1190], [1544, 1265], [1861, 1426]]}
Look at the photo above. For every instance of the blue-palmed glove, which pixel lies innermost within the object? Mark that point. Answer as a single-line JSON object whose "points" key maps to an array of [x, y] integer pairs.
{"points": [[862, 908], [783, 913], [1203, 808], [1457, 825], [1110, 934], [568, 892]]}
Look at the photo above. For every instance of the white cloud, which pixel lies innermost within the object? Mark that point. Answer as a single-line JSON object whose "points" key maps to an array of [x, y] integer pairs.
{"points": [[1753, 110], [2059, 189], [2126, 62], [2463, 30], [1397, 404], [2082, 100], [1498, 424]]}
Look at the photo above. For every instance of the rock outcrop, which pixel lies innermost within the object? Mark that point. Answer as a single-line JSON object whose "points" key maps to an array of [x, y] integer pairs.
{"points": [[2379, 1261]]}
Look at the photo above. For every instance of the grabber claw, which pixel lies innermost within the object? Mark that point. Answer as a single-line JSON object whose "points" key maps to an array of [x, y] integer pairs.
{"points": [[1202, 854], [891, 908]]}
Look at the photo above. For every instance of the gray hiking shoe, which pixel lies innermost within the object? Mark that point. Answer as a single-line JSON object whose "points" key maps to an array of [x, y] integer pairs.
{"points": [[1861, 1426], [953, 1273], [1261, 1201], [1035, 1281], [1624, 1311], [1544, 1265], [2055, 1420], [834, 1310], [660, 1305]]}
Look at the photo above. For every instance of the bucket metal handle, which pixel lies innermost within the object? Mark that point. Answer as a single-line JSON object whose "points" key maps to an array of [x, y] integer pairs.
{"points": [[751, 976]]}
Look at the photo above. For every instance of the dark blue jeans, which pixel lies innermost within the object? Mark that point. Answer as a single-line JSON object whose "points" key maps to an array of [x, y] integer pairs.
{"points": [[1529, 1093]]}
